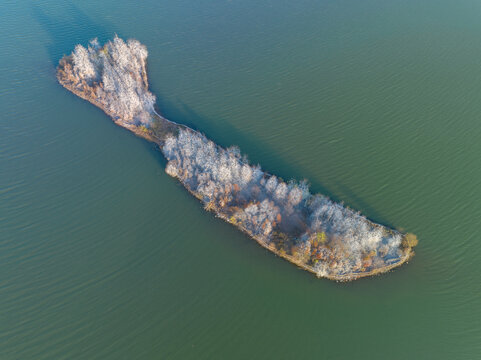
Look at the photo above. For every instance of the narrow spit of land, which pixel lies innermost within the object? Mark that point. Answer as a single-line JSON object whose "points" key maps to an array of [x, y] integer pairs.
{"points": [[311, 231]]}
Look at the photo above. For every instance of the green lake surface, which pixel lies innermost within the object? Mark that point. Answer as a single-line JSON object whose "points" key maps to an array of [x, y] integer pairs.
{"points": [[377, 103]]}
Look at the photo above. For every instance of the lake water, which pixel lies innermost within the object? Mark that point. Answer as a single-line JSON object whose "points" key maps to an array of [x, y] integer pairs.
{"points": [[377, 103]]}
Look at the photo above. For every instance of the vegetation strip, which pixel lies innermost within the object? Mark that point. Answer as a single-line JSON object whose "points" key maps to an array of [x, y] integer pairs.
{"points": [[311, 231]]}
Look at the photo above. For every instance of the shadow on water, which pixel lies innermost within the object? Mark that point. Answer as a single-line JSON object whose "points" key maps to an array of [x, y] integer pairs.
{"points": [[68, 27], [363, 206], [226, 135]]}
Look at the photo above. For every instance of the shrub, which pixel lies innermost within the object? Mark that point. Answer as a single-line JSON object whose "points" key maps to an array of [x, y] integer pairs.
{"points": [[410, 240]]}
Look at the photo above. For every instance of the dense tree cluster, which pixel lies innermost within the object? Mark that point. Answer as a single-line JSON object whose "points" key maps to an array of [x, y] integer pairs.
{"points": [[310, 230], [329, 237], [115, 76]]}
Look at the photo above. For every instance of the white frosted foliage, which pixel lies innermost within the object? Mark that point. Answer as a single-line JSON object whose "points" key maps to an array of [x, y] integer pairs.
{"points": [[321, 235], [119, 69], [83, 65], [262, 204]]}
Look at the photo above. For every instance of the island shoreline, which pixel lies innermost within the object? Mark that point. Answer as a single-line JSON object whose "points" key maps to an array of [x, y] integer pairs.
{"points": [[166, 128]]}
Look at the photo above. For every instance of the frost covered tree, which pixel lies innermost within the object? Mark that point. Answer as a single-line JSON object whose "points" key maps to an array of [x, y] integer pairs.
{"points": [[115, 75], [83, 65]]}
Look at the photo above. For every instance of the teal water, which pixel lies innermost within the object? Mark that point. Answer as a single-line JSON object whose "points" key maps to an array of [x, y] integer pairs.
{"points": [[376, 103]]}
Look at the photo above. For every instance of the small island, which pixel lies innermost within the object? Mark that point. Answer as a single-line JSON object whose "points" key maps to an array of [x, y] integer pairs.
{"points": [[309, 230]]}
